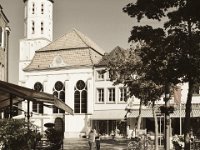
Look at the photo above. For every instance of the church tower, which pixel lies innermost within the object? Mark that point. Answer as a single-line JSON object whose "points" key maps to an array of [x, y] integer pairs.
{"points": [[38, 30]]}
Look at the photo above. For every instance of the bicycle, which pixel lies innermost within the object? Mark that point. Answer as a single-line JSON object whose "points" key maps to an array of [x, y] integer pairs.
{"points": [[143, 142]]}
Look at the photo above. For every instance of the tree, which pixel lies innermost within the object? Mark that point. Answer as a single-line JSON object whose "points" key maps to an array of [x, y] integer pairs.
{"points": [[175, 57], [125, 67]]}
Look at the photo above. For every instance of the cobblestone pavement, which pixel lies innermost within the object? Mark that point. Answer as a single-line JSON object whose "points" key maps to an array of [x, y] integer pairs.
{"points": [[107, 144], [82, 144]]}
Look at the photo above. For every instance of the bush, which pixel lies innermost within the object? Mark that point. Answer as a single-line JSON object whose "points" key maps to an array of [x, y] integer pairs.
{"points": [[14, 135], [54, 137]]}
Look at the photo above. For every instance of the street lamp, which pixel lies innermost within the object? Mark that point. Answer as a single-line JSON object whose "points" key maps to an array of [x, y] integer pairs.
{"points": [[166, 110]]}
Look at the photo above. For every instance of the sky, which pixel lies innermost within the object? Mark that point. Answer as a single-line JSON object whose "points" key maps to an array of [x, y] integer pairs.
{"points": [[103, 21]]}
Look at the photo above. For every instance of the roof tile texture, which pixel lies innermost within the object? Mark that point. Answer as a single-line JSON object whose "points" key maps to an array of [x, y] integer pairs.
{"points": [[74, 49]]}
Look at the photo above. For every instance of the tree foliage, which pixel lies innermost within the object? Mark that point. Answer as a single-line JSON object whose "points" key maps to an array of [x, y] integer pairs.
{"points": [[169, 54]]}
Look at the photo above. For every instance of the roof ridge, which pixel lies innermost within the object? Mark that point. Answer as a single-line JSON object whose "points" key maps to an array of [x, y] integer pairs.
{"points": [[77, 32], [86, 39]]}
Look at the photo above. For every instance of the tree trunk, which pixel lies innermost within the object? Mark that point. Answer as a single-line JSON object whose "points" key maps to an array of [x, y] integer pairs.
{"points": [[188, 109], [139, 117], [156, 126]]}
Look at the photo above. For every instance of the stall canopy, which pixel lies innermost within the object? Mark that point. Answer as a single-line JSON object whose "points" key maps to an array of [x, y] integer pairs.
{"points": [[11, 93]]}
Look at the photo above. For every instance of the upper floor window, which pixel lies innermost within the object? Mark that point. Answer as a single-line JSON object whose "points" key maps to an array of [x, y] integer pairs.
{"points": [[38, 106], [100, 75], [111, 95], [42, 8], [42, 27], [33, 8], [80, 97], [100, 95], [122, 94], [59, 92]]}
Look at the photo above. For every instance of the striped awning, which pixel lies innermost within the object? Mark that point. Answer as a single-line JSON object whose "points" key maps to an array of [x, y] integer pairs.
{"points": [[147, 113], [116, 114]]}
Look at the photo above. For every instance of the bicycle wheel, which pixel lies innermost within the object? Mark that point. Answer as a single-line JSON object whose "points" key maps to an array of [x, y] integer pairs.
{"points": [[133, 145]]}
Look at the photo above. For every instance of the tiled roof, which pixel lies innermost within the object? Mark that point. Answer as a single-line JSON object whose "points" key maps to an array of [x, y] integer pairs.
{"points": [[71, 50], [74, 39]]}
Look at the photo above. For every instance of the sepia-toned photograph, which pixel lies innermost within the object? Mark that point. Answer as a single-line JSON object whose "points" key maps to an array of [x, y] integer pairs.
{"points": [[99, 75]]}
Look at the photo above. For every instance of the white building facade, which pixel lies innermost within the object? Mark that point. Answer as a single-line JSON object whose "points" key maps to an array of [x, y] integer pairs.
{"points": [[38, 31], [66, 69]]}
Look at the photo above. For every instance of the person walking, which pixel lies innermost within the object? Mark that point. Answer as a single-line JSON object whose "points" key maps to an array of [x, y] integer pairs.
{"points": [[97, 141], [91, 139]]}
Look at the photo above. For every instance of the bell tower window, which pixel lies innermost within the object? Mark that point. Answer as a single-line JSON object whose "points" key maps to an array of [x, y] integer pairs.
{"points": [[33, 27], [33, 8], [42, 8], [42, 27]]}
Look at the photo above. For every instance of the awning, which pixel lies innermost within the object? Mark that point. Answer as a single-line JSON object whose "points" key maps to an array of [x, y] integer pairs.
{"points": [[18, 93], [177, 113], [115, 114], [147, 113]]}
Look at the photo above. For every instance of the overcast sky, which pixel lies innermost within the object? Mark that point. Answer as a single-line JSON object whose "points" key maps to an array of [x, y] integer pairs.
{"points": [[101, 20]]}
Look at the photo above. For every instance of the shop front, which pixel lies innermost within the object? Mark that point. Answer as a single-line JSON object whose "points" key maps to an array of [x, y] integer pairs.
{"points": [[109, 122]]}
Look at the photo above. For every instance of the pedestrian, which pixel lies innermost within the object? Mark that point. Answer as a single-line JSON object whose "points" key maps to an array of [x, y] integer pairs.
{"points": [[91, 139], [112, 134], [97, 141]]}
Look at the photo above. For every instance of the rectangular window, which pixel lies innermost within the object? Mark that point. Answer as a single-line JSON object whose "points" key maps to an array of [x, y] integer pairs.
{"points": [[100, 95], [111, 95], [100, 75], [38, 107], [123, 94]]}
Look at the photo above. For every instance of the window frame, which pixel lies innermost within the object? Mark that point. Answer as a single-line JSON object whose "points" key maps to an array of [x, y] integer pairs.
{"points": [[112, 95], [79, 89], [99, 75], [123, 95], [100, 95], [57, 93], [38, 106]]}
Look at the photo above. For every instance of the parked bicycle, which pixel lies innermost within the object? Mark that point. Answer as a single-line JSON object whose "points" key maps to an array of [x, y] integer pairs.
{"points": [[142, 142]]}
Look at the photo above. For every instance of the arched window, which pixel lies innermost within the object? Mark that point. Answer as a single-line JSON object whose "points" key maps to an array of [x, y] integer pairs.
{"points": [[42, 27], [80, 97], [38, 106], [42, 8], [59, 92], [33, 27], [33, 8]]}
